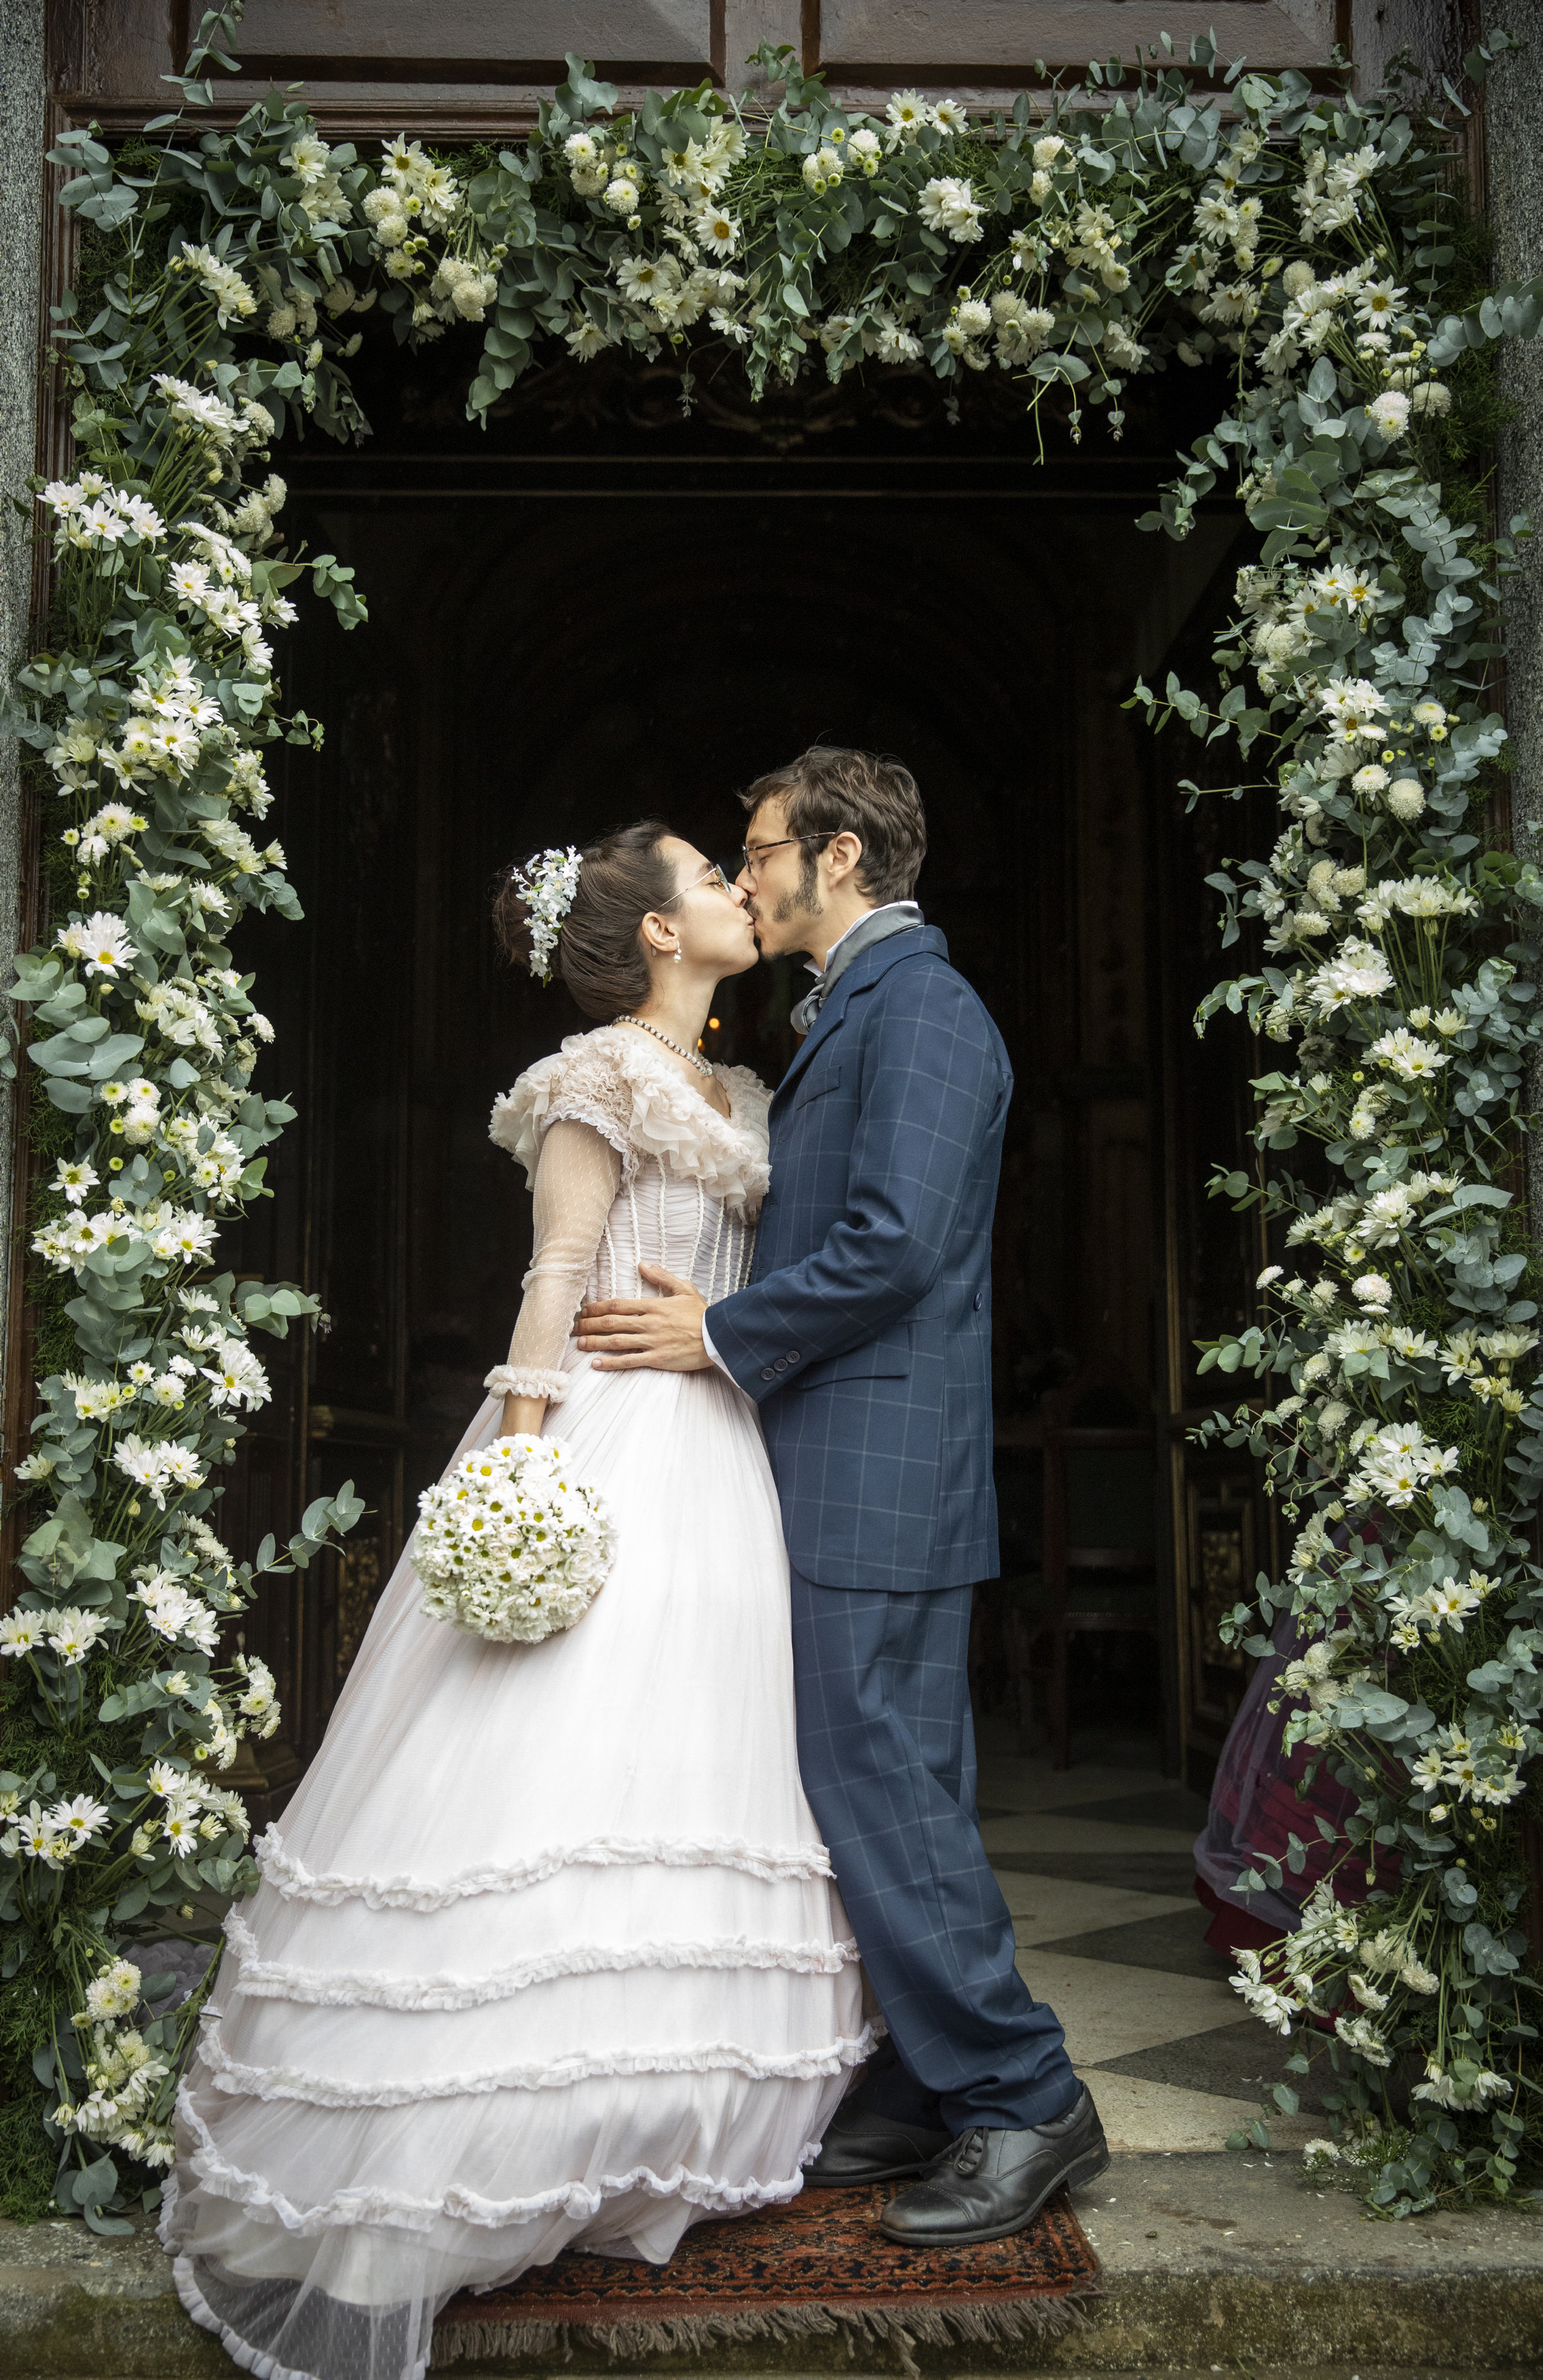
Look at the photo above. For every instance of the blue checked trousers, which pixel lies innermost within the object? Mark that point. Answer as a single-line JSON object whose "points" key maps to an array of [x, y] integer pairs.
{"points": [[886, 1750]]}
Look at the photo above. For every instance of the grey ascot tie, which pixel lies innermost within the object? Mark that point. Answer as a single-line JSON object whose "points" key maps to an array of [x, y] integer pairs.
{"points": [[895, 917]]}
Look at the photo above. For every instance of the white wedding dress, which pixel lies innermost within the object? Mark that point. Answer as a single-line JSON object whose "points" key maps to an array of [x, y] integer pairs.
{"points": [[546, 1951]]}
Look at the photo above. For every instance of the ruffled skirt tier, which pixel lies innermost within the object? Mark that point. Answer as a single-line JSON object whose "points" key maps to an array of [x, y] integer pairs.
{"points": [[547, 1952]]}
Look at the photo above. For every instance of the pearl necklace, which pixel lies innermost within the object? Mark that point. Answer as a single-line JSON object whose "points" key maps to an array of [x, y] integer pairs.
{"points": [[692, 1057]]}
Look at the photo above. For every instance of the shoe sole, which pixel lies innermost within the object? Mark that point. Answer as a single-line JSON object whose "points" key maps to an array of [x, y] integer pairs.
{"points": [[1088, 2168], [860, 2181]]}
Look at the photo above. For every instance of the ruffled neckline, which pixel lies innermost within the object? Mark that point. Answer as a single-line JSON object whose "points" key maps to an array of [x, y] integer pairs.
{"points": [[660, 1115]]}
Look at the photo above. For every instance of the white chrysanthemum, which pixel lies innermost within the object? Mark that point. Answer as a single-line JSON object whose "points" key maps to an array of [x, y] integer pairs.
{"points": [[1359, 2034], [102, 941], [1272, 2007], [950, 205], [1354, 707], [511, 1545], [237, 1377], [1390, 412], [78, 1820], [199, 407], [1405, 1055], [907, 111], [74, 1176], [21, 1633], [1378, 304], [224, 285], [113, 1992], [1357, 971], [716, 230], [74, 1634]]}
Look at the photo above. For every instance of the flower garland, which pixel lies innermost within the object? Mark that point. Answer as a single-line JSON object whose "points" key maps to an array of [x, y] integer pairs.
{"points": [[1134, 226]]}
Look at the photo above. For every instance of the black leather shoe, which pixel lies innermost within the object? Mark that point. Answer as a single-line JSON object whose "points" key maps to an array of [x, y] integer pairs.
{"points": [[861, 2147], [989, 2183]]}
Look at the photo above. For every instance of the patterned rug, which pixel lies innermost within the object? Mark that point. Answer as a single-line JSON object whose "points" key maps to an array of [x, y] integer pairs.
{"points": [[818, 2266]]}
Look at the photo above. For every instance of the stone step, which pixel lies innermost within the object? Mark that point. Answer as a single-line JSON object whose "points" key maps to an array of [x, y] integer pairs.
{"points": [[1212, 2265]]}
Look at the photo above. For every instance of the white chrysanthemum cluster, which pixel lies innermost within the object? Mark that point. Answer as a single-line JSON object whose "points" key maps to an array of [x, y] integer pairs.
{"points": [[312, 162], [173, 1613], [194, 1814], [949, 204], [235, 426], [1334, 1951], [70, 1632], [53, 1836], [232, 294], [257, 1701], [415, 204], [512, 1546], [124, 2073], [93, 514], [546, 886]]}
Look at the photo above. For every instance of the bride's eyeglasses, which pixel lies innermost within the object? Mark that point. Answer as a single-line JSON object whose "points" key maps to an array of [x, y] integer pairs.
{"points": [[713, 875]]}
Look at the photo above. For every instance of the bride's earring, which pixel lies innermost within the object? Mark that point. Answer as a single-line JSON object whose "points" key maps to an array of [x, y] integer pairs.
{"points": [[677, 958]]}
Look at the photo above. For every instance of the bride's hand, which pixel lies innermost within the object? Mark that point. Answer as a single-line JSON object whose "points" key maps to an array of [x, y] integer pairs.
{"points": [[656, 1334]]}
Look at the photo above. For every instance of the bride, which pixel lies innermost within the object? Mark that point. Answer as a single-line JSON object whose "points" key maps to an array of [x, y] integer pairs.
{"points": [[546, 1953]]}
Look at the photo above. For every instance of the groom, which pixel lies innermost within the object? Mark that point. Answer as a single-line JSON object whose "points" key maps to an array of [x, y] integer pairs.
{"points": [[864, 1336]]}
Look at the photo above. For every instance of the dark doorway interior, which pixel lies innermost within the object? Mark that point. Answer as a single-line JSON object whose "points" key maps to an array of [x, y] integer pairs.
{"points": [[601, 613]]}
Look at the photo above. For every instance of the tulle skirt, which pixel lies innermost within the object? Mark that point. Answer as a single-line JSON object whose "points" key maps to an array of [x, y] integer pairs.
{"points": [[546, 1953]]}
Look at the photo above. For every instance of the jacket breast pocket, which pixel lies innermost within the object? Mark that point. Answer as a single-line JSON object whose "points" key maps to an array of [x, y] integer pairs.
{"points": [[827, 1079], [888, 1357]]}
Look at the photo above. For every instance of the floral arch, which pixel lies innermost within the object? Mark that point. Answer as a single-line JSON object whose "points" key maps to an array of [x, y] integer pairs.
{"points": [[1134, 225]]}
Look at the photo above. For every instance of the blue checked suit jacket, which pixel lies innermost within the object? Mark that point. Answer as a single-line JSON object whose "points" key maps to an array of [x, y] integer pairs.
{"points": [[865, 1332]]}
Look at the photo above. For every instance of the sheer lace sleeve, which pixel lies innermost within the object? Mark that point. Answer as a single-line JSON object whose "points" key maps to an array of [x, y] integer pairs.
{"points": [[578, 1174]]}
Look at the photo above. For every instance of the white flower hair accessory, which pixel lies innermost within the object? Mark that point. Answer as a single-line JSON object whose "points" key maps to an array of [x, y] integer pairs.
{"points": [[546, 885]]}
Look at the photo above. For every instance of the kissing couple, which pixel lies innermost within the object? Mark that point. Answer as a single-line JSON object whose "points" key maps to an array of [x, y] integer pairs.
{"points": [[577, 1942]]}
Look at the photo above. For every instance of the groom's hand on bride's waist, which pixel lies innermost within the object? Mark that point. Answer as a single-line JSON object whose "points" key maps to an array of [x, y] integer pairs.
{"points": [[656, 1334]]}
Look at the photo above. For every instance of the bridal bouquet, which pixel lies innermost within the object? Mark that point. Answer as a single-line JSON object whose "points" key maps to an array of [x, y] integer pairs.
{"points": [[510, 1545]]}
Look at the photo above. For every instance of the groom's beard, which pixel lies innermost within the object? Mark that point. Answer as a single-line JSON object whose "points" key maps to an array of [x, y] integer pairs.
{"points": [[804, 903]]}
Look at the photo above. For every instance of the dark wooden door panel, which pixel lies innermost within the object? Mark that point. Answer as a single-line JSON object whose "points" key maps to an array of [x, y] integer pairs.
{"points": [[984, 47]]}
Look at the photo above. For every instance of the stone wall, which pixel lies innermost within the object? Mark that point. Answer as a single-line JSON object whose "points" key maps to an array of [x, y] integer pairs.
{"points": [[1514, 100], [21, 171]]}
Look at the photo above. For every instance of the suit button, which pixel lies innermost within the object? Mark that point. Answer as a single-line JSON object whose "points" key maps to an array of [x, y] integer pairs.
{"points": [[780, 1365], [980, 1299], [792, 1354], [766, 1371]]}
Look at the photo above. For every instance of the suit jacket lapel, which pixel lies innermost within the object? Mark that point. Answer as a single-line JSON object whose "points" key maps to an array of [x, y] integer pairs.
{"points": [[823, 1026], [865, 970]]}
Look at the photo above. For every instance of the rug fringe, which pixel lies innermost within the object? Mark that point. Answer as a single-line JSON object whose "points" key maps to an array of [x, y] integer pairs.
{"points": [[902, 2327]]}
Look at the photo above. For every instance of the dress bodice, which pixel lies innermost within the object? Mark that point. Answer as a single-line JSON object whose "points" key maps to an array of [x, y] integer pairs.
{"points": [[659, 1217], [629, 1164]]}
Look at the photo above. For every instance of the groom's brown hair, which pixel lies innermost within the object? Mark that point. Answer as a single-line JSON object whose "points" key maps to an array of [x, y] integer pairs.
{"points": [[829, 789]]}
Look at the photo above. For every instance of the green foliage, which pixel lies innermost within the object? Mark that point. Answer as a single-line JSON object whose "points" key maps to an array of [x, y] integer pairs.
{"points": [[1400, 978], [1315, 243]]}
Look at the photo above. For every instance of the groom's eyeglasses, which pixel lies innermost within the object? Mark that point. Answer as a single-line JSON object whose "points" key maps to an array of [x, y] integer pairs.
{"points": [[752, 854]]}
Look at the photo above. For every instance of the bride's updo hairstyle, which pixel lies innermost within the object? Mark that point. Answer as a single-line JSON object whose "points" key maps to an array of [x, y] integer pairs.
{"points": [[600, 954]]}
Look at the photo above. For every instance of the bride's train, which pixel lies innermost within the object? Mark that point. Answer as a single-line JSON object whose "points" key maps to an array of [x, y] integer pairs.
{"points": [[546, 1951]]}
